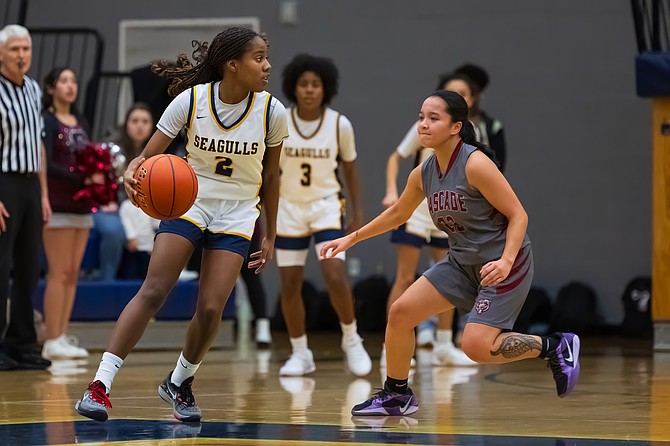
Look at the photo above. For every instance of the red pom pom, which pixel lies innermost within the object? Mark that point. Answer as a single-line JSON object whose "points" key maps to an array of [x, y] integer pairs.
{"points": [[91, 160]]}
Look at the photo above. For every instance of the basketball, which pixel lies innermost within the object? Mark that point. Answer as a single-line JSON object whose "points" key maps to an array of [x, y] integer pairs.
{"points": [[166, 186]]}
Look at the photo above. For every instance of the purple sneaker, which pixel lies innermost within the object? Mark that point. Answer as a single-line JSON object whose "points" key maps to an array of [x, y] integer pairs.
{"points": [[564, 363], [385, 403]]}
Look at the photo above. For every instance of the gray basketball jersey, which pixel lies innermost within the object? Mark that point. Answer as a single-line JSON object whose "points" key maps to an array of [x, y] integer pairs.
{"points": [[477, 231]]}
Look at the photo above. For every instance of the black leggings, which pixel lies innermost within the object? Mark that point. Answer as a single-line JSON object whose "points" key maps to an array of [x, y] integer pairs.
{"points": [[20, 252], [254, 284]]}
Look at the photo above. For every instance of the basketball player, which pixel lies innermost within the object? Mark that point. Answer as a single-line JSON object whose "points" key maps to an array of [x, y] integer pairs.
{"points": [[235, 133], [419, 231], [489, 267], [310, 206]]}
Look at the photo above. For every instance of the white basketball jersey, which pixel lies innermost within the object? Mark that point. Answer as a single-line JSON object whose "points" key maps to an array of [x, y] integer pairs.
{"points": [[228, 160], [309, 163]]}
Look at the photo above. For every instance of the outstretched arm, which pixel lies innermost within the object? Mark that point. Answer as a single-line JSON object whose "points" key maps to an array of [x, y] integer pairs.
{"points": [[391, 218]]}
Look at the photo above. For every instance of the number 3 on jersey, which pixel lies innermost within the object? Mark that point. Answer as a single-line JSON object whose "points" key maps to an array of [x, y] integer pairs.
{"points": [[223, 166], [306, 179]]}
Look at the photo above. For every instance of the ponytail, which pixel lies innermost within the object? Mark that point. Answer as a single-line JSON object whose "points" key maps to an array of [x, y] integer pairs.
{"points": [[210, 60], [469, 136]]}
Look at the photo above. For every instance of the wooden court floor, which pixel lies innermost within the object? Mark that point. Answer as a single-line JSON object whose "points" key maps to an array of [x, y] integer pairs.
{"points": [[623, 398]]}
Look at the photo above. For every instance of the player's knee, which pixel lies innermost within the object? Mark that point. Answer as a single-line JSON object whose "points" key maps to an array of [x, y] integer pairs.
{"points": [[65, 277], [291, 292], [334, 277], [477, 349], [153, 294], [400, 315], [209, 314]]}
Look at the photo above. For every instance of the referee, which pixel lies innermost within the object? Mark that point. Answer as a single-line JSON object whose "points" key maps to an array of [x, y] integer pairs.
{"points": [[24, 200]]}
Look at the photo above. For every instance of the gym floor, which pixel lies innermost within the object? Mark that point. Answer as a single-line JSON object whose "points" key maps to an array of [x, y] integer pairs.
{"points": [[623, 398]]}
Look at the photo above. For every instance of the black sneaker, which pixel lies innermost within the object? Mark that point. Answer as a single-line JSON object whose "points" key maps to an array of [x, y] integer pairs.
{"points": [[7, 363], [181, 398], [27, 358]]}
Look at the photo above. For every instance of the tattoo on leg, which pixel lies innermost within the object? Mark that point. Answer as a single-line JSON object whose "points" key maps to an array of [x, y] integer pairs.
{"points": [[516, 345]]}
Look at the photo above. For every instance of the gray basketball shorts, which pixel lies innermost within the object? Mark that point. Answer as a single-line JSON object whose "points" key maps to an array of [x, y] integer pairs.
{"points": [[497, 306]]}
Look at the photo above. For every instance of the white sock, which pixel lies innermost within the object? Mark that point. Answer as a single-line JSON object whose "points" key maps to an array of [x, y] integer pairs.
{"points": [[109, 366], [262, 324], [349, 330], [444, 337], [183, 370], [299, 343]]}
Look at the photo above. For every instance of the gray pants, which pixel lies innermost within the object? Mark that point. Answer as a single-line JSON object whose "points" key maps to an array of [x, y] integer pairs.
{"points": [[497, 306]]}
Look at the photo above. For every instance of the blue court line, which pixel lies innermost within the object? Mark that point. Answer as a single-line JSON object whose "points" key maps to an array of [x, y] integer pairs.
{"points": [[119, 430]]}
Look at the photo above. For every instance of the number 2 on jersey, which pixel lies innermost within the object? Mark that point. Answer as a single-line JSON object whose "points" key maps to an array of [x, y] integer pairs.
{"points": [[306, 179], [223, 166]]}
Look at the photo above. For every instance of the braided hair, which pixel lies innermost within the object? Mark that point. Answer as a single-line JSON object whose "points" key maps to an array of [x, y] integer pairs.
{"points": [[210, 59], [457, 108]]}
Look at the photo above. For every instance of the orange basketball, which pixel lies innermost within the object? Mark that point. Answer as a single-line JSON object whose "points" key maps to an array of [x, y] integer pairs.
{"points": [[167, 186]]}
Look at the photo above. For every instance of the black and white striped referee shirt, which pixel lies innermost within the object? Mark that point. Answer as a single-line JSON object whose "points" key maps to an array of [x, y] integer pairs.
{"points": [[20, 126]]}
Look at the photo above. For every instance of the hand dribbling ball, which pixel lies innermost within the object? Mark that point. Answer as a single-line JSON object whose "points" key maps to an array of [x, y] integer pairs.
{"points": [[166, 186]]}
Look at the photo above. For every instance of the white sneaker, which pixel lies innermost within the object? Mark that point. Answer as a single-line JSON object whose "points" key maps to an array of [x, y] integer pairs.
{"points": [[300, 363], [53, 349], [72, 342], [382, 359], [358, 360], [263, 335], [448, 354], [425, 338], [63, 347]]}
